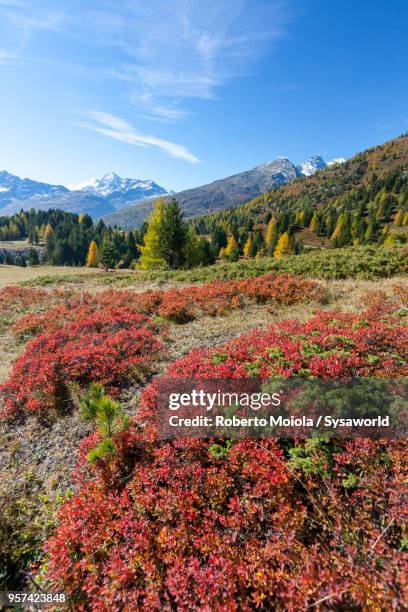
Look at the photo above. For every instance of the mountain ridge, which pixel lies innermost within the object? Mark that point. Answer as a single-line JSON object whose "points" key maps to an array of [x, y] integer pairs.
{"points": [[223, 193], [96, 197], [369, 188], [127, 202]]}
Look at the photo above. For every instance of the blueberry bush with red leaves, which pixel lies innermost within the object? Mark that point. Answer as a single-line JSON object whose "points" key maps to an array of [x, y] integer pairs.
{"points": [[21, 297], [112, 347], [329, 345], [265, 524], [177, 305], [104, 337]]}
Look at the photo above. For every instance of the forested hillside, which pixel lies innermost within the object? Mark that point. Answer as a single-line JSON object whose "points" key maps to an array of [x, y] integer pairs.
{"points": [[363, 201]]}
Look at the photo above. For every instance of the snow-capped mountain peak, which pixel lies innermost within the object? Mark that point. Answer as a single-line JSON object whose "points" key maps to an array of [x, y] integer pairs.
{"points": [[311, 165], [13, 187], [97, 196], [90, 183], [112, 183]]}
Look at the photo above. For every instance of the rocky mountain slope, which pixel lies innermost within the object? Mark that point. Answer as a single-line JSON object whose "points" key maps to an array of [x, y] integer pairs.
{"points": [[127, 202], [224, 193], [341, 186]]}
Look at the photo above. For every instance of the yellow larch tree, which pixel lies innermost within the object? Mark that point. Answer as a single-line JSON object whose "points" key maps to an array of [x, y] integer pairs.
{"points": [[284, 246], [399, 217], [92, 260], [247, 247], [151, 257], [314, 223], [270, 231], [48, 231]]}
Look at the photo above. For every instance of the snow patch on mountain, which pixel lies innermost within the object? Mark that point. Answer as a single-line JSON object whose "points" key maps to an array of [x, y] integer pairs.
{"points": [[336, 160], [13, 188]]}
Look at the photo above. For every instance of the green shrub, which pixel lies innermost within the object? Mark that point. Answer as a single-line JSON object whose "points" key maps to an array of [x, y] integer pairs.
{"points": [[367, 262]]}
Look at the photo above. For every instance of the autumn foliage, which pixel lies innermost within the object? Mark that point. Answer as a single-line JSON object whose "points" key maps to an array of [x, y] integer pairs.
{"points": [[105, 337], [259, 524], [176, 305], [112, 347]]}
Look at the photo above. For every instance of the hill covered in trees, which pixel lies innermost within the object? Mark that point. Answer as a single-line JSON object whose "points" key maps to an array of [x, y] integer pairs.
{"points": [[363, 201]]}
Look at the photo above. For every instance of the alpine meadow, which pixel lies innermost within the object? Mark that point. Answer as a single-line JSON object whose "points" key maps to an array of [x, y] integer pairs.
{"points": [[241, 276]]}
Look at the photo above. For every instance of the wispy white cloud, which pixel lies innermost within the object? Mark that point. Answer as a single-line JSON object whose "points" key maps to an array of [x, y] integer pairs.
{"points": [[152, 109], [5, 56], [172, 51], [21, 19], [159, 54], [118, 129]]}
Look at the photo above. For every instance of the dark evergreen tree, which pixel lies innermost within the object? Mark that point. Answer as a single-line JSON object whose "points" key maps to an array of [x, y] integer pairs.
{"points": [[107, 253], [173, 235], [219, 238], [32, 257]]}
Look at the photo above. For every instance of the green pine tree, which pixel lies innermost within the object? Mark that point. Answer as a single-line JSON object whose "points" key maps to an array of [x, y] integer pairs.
{"points": [[174, 235], [32, 257], [107, 253], [192, 254]]}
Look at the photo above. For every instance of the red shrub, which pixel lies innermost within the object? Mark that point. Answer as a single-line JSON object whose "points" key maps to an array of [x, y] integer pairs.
{"points": [[193, 532], [71, 308], [172, 526], [108, 347], [330, 345], [177, 305], [15, 298], [283, 288]]}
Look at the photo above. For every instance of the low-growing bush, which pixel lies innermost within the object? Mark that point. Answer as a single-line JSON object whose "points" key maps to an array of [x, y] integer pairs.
{"points": [[177, 305], [112, 347], [366, 262], [212, 524], [20, 297]]}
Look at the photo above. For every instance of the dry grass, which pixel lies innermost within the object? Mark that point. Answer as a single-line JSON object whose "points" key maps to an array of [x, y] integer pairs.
{"points": [[351, 294], [310, 239], [9, 352], [12, 275], [211, 331], [14, 245]]}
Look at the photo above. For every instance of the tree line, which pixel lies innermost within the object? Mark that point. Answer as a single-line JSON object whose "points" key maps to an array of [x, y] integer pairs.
{"points": [[341, 212], [60, 238]]}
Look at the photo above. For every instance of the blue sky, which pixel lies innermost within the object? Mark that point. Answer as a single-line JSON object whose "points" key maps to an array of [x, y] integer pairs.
{"points": [[187, 91]]}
